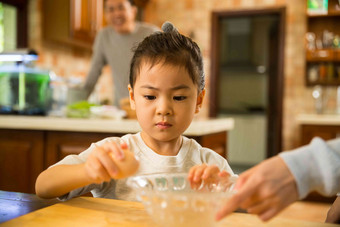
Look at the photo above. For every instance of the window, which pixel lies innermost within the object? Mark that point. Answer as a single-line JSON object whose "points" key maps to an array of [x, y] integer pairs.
{"points": [[8, 29], [14, 28]]}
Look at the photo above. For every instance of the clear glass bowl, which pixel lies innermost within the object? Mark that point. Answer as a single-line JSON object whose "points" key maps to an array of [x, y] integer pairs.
{"points": [[170, 201]]}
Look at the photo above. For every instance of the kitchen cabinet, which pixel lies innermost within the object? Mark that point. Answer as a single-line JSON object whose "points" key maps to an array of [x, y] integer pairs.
{"points": [[60, 144], [86, 19], [76, 22], [326, 132], [21, 159], [73, 22], [323, 47]]}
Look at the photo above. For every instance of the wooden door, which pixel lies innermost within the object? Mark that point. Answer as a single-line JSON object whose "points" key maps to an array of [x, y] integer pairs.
{"points": [[273, 111]]}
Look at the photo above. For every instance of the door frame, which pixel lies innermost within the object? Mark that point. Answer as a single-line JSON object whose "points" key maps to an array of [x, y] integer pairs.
{"points": [[275, 88]]}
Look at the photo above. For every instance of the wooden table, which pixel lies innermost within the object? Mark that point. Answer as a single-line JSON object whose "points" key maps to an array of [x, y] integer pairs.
{"points": [[87, 211]]}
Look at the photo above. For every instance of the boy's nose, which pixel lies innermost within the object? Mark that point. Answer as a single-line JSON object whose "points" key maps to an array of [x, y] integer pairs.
{"points": [[164, 107]]}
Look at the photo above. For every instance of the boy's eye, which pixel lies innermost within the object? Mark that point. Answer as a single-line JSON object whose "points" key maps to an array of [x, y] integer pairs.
{"points": [[179, 98], [149, 97]]}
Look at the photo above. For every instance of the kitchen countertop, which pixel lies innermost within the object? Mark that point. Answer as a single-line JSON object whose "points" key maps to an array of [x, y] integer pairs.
{"points": [[197, 127], [87, 211], [318, 119]]}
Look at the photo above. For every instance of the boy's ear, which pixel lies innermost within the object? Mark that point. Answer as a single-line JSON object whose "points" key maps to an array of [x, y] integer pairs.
{"points": [[199, 101], [132, 98]]}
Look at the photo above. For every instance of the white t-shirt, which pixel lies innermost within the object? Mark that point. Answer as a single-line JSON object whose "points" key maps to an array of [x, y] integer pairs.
{"points": [[190, 154], [315, 167]]}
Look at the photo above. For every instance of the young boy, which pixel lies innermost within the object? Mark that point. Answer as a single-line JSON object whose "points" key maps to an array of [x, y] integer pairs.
{"points": [[166, 89]]}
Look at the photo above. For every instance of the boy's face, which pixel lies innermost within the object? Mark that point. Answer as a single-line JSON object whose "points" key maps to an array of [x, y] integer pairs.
{"points": [[166, 100], [120, 14]]}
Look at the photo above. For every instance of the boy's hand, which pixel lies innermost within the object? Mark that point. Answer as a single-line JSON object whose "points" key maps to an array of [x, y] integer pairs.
{"points": [[100, 165], [208, 174]]}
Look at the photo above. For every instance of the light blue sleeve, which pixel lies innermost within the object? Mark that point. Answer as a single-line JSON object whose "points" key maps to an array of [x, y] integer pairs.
{"points": [[316, 167]]}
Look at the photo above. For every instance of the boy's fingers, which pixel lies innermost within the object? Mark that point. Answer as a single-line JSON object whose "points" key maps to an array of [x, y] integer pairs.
{"points": [[199, 172], [106, 161], [123, 146], [97, 171], [210, 171], [192, 172], [109, 165], [114, 149], [223, 173]]}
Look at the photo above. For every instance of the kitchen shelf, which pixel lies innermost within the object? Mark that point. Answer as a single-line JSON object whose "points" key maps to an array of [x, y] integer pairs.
{"points": [[323, 65], [323, 55], [324, 83], [333, 10]]}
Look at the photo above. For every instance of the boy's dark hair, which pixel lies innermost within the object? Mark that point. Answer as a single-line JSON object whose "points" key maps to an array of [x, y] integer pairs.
{"points": [[169, 47]]}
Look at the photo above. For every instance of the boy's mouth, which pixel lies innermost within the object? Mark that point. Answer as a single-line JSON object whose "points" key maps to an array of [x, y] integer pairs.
{"points": [[163, 125]]}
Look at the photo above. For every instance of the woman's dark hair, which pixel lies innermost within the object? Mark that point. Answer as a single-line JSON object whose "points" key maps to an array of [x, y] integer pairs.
{"points": [[169, 47]]}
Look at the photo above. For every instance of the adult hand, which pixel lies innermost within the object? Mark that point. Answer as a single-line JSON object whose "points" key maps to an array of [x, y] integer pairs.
{"points": [[265, 190], [333, 215]]}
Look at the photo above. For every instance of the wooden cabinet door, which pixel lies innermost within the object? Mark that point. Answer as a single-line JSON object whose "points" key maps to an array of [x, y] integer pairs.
{"points": [[216, 142], [21, 159], [72, 22], [325, 132], [86, 19], [61, 144]]}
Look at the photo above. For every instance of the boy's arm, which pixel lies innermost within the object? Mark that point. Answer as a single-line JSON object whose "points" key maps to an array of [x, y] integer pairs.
{"points": [[106, 161], [61, 179]]}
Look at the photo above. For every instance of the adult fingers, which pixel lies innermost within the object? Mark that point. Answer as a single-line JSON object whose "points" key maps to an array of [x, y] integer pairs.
{"points": [[246, 189], [231, 205], [262, 206], [269, 213]]}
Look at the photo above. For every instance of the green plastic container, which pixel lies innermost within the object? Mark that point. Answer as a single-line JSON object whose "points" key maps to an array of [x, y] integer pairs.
{"points": [[24, 90]]}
